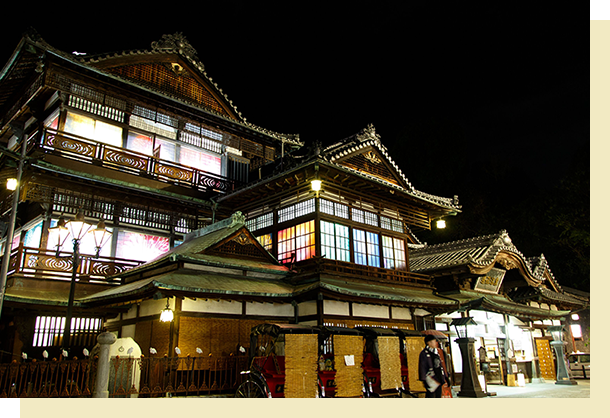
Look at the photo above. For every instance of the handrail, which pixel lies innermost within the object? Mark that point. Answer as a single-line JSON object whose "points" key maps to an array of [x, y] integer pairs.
{"points": [[83, 149], [47, 264]]}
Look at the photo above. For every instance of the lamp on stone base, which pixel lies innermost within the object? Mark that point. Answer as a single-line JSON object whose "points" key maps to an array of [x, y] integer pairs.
{"points": [[470, 386], [563, 376]]}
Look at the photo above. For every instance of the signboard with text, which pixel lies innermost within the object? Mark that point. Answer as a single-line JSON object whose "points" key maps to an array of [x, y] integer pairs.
{"points": [[491, 281]]}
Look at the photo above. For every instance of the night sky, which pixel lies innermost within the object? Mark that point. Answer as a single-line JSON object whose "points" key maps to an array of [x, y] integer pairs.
{"points": [[489, 103]]}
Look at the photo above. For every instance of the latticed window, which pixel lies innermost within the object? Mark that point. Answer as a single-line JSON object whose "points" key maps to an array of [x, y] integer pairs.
{"points": [[296, 243], [260, 222], [48, 331], [266, 241], [366, 248], [296, 210], [334, 208], [334, 241], [394, 256]]}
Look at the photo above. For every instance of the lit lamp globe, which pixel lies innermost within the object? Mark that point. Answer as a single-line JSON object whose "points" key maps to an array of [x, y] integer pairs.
{"points": [[316, 185]]}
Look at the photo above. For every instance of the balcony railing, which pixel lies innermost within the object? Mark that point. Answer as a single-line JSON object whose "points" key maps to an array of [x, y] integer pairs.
{"points": [[47, 264], [82, 149], [356, 271]]}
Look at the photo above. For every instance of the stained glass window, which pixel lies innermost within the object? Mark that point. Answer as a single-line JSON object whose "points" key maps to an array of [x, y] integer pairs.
{"points": [[394, 256], [335, 241], [296, 242], [266, 241], [366, 248], [141, 247]]}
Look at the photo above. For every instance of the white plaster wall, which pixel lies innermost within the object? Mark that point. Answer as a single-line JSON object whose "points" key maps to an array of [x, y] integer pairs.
{"points": [[154, 307], [370, 311], [212, 306], [308, 308], [269, 309], [131, 313], [334, 307], [401, 313], [128, 331]]}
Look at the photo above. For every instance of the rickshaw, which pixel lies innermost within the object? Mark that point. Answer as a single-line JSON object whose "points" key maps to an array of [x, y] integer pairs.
{"points": [[288, 360], [383, 366]]}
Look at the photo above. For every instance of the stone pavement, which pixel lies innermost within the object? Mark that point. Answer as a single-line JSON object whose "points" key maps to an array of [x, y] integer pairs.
{"points": [[543, 390]]}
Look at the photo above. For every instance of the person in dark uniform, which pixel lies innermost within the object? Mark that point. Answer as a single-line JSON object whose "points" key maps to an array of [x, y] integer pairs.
{"points": [[431, 369]]}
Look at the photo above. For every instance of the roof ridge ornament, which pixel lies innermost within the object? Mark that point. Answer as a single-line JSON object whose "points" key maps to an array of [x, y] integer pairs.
{"points": [[367, 134], [176, 42]]}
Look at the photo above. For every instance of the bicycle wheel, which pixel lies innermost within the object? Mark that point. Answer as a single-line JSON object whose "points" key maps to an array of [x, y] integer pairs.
{"points": [[250, 389]]}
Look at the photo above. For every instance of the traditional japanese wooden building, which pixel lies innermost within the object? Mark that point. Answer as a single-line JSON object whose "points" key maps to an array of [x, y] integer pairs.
{"points": [[226, 223], [512, 298]]}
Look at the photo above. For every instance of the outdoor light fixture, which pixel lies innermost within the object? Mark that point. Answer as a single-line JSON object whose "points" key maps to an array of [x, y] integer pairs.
{"points": [[470, 386], [11, 184], [440, 224], [101, 236], [316, 185], [59, 233], [167, 315], [76, 227], [563, 375]]}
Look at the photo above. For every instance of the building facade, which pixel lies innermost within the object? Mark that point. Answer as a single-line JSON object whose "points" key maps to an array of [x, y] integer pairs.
{"points": [[226, 223]]}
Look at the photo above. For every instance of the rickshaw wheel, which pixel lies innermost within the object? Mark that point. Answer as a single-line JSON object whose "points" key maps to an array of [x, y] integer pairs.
{"points": [[250, 389]]}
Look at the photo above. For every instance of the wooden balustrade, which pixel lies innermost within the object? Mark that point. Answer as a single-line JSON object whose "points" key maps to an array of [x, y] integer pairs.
{"points": [[345, 269], [82, 149], [47, 264]]}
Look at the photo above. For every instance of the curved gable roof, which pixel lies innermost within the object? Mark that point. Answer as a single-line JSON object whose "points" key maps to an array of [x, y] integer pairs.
{"points": [[170, 67]]}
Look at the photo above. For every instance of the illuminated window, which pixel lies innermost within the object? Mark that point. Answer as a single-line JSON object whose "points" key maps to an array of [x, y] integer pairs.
{"points": [[576, 331], [200, 160], [334, 241], [394, 253], [87, 243], [94, 129], [266, 241], [333, 208], [365, 217], [260, 222], [48, 331], [296, 210], [297, 241], [366, 248], [140, 143], [141, 247]]}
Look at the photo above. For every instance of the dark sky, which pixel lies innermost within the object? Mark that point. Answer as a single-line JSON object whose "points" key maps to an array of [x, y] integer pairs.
{"points": [[489, 97]]}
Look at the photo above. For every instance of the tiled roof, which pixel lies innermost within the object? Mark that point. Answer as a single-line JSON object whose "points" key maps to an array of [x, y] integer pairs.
{"points": [[479, 251], [368, 137]]}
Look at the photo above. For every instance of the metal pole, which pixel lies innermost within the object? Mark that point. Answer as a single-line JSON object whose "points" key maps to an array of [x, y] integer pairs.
{"points": [[68, 324], [11, 224]]}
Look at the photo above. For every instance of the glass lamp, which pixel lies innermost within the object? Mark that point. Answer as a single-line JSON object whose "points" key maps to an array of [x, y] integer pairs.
{"points": [[167, 315], [101, 236]]}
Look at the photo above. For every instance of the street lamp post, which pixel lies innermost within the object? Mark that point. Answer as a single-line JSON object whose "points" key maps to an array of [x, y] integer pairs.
{"points": [[470, 386], [77, 228], [563, 376]]}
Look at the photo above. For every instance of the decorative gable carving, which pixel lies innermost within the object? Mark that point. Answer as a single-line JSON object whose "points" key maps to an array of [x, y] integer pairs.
{"points": [[372, 163], [172, 79], [240, 245]]}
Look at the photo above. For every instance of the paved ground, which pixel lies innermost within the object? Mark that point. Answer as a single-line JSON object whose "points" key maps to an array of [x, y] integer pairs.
{"points": [[543, 390]]}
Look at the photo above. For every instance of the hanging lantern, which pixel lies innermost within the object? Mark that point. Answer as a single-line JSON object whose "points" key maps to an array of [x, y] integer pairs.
{"points": [[167, 315]]}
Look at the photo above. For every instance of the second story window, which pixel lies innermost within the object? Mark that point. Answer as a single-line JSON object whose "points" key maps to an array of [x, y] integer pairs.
{"points": [[394, 256], [296, 243], [334, 241], [366, 248], [94, 129]]}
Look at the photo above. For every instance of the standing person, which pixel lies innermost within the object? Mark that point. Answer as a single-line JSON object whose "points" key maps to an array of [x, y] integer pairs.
{"points": [[431, 369]]}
